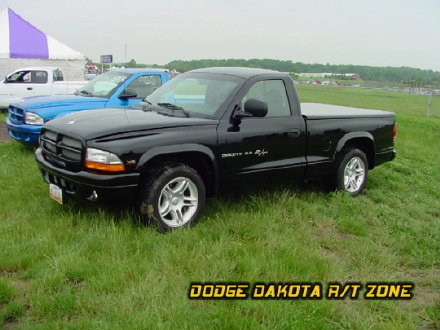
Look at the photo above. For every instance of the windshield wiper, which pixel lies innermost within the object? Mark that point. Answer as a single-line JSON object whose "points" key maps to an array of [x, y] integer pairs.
{"points": [[173, 107], [84, 92], [145, 105]]}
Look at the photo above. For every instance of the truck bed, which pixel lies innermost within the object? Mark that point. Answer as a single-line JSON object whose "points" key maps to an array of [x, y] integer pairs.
{"points": [[327, 111]]}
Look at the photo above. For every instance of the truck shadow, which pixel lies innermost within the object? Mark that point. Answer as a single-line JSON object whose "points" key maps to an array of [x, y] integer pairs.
{"points": [[233, 194], [244, 189]]}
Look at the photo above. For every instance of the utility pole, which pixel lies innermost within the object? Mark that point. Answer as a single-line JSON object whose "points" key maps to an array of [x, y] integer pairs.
{"points": [[125, 54], [429, 112]]}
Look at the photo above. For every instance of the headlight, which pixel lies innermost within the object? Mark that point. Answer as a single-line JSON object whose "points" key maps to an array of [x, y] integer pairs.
{"points": [[103, 161], [33, 119]]}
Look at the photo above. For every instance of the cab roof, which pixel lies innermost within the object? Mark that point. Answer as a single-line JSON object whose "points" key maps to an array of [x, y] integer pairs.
{"points": [[238, 71], [36, 68], [137, 70]]}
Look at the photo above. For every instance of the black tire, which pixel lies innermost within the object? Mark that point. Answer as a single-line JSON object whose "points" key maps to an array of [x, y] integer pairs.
{"points": [[173, 198], [351, 172]]}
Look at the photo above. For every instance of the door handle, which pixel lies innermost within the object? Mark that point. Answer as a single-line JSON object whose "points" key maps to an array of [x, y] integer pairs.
{"points": [[294, 133], [29, 88]]}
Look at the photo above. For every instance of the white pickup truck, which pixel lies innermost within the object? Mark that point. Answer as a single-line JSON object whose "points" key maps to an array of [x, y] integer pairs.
{"points": [[34, 81]]}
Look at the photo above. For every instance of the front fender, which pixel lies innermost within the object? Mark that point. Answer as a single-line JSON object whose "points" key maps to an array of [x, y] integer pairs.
{"points": [[176, 149]]}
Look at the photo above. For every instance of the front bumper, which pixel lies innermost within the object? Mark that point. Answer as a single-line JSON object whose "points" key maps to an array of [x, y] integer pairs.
{"points": [[27, 134], [93, 187]]}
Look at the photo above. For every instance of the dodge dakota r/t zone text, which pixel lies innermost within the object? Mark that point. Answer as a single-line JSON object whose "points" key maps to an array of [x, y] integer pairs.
{"points": [[204, 128]]}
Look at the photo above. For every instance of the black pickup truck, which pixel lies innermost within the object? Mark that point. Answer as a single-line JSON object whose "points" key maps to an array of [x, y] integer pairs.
{"points": [[204, 128]]}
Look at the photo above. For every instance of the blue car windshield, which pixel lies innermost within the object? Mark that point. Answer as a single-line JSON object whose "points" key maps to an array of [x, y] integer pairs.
{"points": [[104, 85]]}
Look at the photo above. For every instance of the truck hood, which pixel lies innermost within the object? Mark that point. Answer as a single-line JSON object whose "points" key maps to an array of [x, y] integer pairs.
{"points": [[45, 106], [106, 123]]}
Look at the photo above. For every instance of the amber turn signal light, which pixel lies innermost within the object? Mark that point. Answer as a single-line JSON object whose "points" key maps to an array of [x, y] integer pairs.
{"points": [[105, 167]]}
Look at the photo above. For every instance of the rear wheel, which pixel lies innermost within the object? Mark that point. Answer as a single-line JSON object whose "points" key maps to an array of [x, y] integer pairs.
{"points": [[351, 172], [173, 198]]}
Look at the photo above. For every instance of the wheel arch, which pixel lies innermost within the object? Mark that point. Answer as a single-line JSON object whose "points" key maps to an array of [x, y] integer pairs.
{"points": [[360, 140], [199, 157]]}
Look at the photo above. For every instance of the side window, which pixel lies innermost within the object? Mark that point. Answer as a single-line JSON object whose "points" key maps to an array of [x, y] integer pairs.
{"points": [[145, 85], [273, 92], [38, 77], [26, 78], [20, 77]]}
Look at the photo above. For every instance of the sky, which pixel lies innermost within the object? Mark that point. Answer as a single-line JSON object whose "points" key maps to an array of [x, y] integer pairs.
{"points": [[362, 32]]}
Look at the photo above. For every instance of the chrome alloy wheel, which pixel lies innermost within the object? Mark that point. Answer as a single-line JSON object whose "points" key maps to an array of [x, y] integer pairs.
{"points": [[354, 174], [178, 201]]}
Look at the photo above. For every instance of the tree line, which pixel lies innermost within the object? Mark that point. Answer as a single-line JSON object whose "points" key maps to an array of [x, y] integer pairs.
{"points": [[405, 75]]}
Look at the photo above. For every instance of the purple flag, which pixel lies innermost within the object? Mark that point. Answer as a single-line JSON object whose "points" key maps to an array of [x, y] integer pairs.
{"points": [[25, 40]]}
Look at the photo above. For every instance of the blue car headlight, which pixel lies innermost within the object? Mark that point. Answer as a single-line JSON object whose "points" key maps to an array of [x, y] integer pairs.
{"points": [[33, 119]]}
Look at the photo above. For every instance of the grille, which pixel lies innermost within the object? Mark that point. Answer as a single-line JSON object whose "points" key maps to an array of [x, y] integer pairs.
{"points": [[16, 115], [61, 150]]}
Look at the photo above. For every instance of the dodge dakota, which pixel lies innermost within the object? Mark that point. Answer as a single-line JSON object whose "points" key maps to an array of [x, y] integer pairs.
{"points": [[200, 130], [114, 89]]}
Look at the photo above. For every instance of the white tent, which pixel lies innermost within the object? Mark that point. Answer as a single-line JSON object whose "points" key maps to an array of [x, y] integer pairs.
{"points": [[23, 45]]}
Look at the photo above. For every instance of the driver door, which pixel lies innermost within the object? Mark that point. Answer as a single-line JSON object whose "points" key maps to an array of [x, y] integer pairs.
{"points": [[270, 143], [17, 84]]}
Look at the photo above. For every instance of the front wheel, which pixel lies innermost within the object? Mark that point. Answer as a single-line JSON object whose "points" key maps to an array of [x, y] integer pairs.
{"points": [[351, 172], [173, 198]]}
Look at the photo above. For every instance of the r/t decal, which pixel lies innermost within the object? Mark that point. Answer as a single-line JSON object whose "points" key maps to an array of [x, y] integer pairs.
{"points": [[261, 152]]}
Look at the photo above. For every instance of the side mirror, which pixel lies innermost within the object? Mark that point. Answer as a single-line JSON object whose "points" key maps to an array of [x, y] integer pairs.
{"points": [[251, 108], [128, 93], [256, 108]]}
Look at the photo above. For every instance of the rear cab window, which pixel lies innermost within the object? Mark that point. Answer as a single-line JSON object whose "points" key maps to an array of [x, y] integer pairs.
{"points": [[57, 75]]}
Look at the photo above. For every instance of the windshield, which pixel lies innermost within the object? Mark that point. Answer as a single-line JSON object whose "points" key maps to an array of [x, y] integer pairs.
{"points": [[196, 93], [105, 84]]}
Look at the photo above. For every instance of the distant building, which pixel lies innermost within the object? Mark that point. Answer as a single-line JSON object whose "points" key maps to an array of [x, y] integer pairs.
{"points": [[352, 76], [316, 75]]}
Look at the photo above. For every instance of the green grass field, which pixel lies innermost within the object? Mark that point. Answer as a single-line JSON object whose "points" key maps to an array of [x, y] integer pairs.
{"points": [[402, 104], [81, 267]]}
